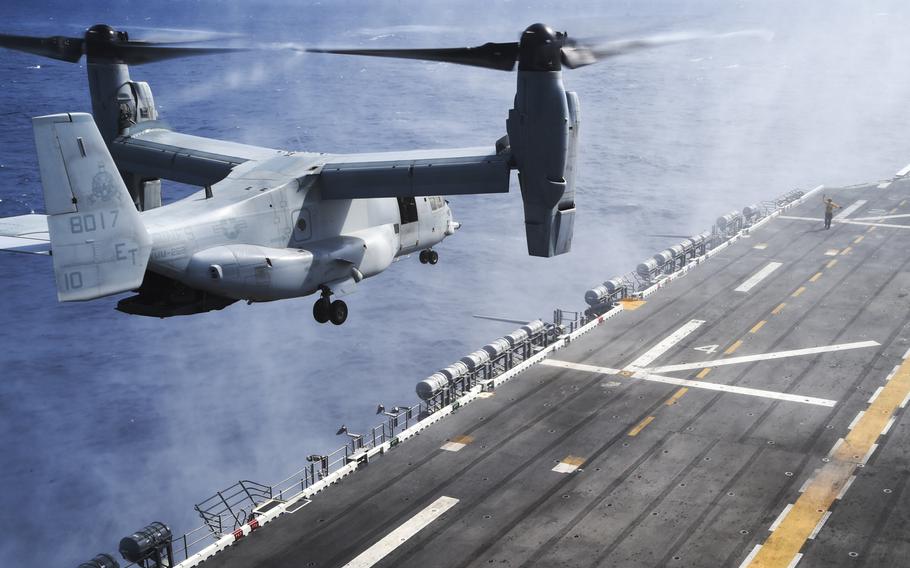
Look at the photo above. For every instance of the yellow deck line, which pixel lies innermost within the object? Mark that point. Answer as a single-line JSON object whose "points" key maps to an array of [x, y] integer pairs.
{"points": [[831, 263], [641, 426], [758, 326], [902, 203], [631, 304], [870, 229], [816, 276], [799, 291], [778, 309], [858, 240], [846, 251], [676, 396], [733, 347], [703, 373], [791, 534]]}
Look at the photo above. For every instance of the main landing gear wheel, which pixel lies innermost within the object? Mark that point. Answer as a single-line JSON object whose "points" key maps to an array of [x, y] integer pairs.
{"points": [[424, 256], [322, 310], [433, 257], [338, 312]]}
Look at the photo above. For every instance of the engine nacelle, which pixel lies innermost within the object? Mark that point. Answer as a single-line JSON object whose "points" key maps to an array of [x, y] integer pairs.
{"points": [[251, 272], [543, 134]]}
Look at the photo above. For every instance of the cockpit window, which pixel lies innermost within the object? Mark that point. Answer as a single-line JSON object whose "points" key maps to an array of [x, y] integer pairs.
{"points": [[436, 202]]}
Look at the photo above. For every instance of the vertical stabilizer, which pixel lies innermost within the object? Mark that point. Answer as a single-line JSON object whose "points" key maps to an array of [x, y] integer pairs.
{"points": [[98, 242]]}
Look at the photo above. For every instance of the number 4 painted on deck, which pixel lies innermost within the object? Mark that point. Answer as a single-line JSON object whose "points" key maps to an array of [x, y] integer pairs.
{"points": [[707, 348]]}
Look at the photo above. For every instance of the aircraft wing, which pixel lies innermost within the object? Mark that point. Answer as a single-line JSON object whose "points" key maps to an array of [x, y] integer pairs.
{"points": [[151, 149], [417, 173], [25, 234]]}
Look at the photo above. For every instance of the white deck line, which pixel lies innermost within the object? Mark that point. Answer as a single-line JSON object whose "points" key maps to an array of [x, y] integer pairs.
{"points": [[850, 209], [753, 280], [795, 561], [645, 376], [843, 490], [884, 185], [818, 527], [764, 356], [666, 344], [780, 518], [869, 453], [809, 480], [904, 171], [856, 420], [874, 396], [399, 536], [888, 426], [748, 559], [878, 217], [836, 445]]}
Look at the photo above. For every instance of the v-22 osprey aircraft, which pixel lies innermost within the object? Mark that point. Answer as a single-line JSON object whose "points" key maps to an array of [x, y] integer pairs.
{"points": [[272, 224]]}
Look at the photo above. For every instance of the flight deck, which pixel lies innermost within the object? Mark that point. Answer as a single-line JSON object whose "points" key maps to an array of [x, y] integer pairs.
{"points": [[750, 413]]}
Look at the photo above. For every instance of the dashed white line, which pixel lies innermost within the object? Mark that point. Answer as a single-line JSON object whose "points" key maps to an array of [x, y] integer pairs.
{"points": [[845, 488], [888, 426], [836, 445], [904, 171], [869, 453], [884, 185], [780, 518], [795, 561], [892, 373], [749, 558], [753, 280], [808, 481], [818, 527], [906, 354], [666, 344], [856, 420], [904, 402], [850, 209], [874, 396], [399, 536]]}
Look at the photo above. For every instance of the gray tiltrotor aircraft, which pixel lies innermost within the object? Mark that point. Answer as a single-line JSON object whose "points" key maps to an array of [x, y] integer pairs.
{"points": [[272, 224]]}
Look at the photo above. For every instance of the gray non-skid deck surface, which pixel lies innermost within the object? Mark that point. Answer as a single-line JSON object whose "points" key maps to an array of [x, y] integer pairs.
{"points": [[702, 482]]}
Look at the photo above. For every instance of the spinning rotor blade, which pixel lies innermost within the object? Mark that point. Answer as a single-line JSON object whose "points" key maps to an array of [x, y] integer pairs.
{"points": [[56, 47], [105, 44], [500, 56], [581, 52]]}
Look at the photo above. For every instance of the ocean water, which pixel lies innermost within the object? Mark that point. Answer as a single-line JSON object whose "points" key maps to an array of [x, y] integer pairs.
{"points": [[108, 422]]}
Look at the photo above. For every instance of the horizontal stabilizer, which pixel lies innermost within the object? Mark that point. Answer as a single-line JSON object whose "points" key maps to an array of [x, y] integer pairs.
{"points": [[25, 234], [100, 246]]}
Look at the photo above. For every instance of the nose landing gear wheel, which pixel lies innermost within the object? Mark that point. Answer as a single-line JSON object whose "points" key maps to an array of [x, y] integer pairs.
{"points": [[424, 257], [321, 310], [338, 312], [433, 257]]}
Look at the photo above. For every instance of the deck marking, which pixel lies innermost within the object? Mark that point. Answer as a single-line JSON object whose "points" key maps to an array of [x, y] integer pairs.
{"points": [[707, 348], [703, 373], [846, 251], [780, 518], [778, 309], [631, 304], [850, 209], [818, 527], [399, 536], [666, 344], [764, 356], [749, 558], [832, 252], [815, 277], [808, 481], [758, 326], [676, 396], [457, 443], [835, 447], [889, 425], [874, 396], [647, 376], [641, 426], [732, 348], [846, 488], [761, 246], [831, 263], [906, 354], [795, 561], [856, 419], [891, 374], [846, 222], [753, 280], [799, 291], [904, 171], [836, 476], [870, 229], [884, 185], [858, 240], [568, 464], [902, 203]]}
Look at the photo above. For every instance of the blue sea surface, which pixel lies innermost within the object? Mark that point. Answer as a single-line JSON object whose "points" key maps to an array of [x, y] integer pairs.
{"points": [[109, 421]]}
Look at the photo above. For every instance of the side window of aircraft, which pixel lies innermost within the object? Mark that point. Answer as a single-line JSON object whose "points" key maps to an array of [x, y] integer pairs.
{"points": [[407, 206], [436, 202]]}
